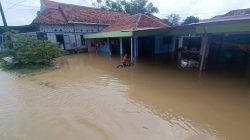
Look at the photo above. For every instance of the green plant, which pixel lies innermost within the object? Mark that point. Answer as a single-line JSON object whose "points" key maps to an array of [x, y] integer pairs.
{"points": [[28, 50]]}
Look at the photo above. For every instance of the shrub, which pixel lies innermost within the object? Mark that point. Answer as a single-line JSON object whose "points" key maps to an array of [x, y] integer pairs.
{"points": [[28, 50]]}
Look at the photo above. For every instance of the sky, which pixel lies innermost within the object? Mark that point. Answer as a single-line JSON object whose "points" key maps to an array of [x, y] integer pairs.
{"points": [[22, 12]]}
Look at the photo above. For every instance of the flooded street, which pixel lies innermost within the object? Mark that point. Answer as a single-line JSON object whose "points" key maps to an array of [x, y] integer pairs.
{"points": [[89, 98]]}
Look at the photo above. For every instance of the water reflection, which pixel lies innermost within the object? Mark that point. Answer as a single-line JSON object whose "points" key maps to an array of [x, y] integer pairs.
{"points": [[89, 97]]}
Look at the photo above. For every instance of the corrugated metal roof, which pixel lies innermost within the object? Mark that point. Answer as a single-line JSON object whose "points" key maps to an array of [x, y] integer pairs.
{"points": [[235, 15]]}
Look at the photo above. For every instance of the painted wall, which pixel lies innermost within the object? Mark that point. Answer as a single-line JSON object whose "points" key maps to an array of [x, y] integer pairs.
{"points": [[162, 45], [104, 49]]}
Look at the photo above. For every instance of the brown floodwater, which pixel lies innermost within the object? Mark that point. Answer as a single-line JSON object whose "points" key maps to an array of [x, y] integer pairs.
{"points": [[89, 98]]}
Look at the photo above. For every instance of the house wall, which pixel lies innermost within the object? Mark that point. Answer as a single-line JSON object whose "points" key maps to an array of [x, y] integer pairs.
{"points": [[73, 31]]}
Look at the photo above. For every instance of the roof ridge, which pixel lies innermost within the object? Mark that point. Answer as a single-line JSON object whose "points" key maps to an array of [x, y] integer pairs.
{"points": [[231, 16], [138, 20], [63, 14], [155, 19], [239, 9], [68, 4]]}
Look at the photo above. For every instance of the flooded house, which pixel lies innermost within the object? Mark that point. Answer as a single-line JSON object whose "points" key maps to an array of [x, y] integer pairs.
{"points": [[121, 39], [228, 44], [221, 42], [66, 23]]}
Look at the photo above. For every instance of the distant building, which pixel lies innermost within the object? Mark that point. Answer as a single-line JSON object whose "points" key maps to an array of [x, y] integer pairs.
{"points": [[234, 15]]}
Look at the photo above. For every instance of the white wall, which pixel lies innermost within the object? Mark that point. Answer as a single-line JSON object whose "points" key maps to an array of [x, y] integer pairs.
{"points": [[73, 30]]}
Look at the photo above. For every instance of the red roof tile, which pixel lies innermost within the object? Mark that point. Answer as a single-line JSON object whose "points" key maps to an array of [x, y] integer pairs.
{"points": [[64, 13], [75, 13], [51, 4], [50, 16], [137, 22]]}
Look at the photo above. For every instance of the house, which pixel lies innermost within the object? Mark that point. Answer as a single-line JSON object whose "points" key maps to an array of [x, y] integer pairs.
{"points": [[213, 40], [66, 23], [121, 38], [220, 42]]}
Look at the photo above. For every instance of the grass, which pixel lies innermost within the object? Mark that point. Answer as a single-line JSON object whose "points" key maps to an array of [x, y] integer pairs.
{"points": [[26, 70]]}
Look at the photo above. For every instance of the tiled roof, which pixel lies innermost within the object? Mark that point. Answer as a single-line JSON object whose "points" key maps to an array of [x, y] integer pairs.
{"points": [[242, 14], [90, 15], [50, 16], [59, 13], [51, 4], [137, 22]]}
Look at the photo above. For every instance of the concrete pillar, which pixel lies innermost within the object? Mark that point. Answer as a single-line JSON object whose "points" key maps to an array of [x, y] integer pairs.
{"points": [[131, 50], [108, 45], [204, 51], [121, 48], [180, 45], [180, 42], [173, 47], [135, 46]]}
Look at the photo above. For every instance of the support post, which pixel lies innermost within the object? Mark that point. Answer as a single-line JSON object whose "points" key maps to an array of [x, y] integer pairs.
{"points": [[204, 51], [135, 47], [3, 18], [108, 44], [180, 45], [121, 47], [173, 48], [131, 51]]}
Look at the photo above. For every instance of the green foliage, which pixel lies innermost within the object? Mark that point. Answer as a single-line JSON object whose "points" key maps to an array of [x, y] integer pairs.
{"points": [[28, 50], [3, 54], [27, 70], [113, 5], [132, 7], [7, 38], [190, 19], [173, 19], [8, 44]]}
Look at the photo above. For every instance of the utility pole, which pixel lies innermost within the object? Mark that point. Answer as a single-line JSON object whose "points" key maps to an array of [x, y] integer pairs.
{"points": [[4, 23], [3, 18]]}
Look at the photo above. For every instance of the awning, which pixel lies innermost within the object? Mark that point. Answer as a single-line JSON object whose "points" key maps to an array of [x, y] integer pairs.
{"points": [[109, 34]]}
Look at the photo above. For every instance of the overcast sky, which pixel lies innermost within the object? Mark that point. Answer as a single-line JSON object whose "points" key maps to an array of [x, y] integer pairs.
{"points": [[22, 12]]}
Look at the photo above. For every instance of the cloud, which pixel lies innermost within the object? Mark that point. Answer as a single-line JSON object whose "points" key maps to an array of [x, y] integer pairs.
{"points": [[200, 8]]}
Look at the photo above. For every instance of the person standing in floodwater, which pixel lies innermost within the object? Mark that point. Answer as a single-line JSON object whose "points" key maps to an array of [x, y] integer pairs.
{"points": [[125, 60]]}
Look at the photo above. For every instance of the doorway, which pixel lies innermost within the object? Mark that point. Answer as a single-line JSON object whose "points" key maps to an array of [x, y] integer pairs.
{"points": [[60, 40]]}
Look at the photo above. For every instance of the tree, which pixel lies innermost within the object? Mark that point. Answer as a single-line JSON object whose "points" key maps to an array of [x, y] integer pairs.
{"points": [[190, 19], [173, 19], [99, 3], [114, 6], [131, 7]]}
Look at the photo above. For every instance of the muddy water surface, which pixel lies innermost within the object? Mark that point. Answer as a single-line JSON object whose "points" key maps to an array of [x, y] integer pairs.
{"points": [[89, 98]]}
